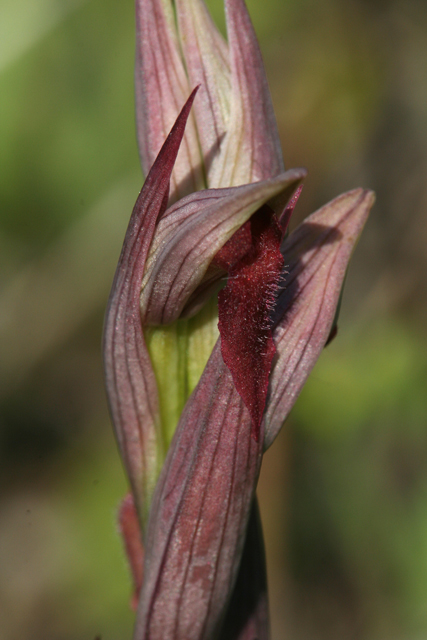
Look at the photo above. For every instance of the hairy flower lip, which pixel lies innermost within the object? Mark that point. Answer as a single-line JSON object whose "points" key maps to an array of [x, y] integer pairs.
{"points": [[254, 264], [190, 234]]}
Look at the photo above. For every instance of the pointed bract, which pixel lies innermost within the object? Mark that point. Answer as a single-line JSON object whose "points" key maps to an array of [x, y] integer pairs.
{"points": [[199, 515], [129, 376]]}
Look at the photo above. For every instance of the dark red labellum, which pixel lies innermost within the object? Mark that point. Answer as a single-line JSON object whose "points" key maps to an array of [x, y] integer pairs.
{"points": [[254, 263]]}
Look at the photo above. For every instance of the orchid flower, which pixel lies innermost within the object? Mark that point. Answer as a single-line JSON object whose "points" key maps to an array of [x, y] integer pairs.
{"points": [[198, 389]]}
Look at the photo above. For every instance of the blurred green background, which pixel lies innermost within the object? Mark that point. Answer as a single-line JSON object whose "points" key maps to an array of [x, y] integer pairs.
{"points": [[344, 489]]}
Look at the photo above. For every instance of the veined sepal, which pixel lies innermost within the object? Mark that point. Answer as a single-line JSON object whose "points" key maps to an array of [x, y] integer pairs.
{"points": [[316, 258], [189, 235]]}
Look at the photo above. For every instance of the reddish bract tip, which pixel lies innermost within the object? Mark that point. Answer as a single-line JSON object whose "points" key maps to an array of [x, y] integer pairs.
{"points": [[244, 307], [131, 533], [287, 213]]}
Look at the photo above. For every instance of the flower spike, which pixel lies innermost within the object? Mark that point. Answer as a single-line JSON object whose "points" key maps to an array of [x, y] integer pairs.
{"points": [[191, 526]]}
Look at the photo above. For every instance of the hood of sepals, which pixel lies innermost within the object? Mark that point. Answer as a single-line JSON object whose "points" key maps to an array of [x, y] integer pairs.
{"points": [[232, 138], [184, 265], [189, 235]]}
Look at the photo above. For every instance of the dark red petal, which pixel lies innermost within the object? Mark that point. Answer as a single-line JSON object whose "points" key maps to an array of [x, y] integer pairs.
{"points": [[132, 539], [244, 307], [235, 248]]}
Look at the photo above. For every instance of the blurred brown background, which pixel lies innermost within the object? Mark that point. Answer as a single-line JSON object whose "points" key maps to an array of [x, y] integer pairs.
{"points": [[344, 489]]}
